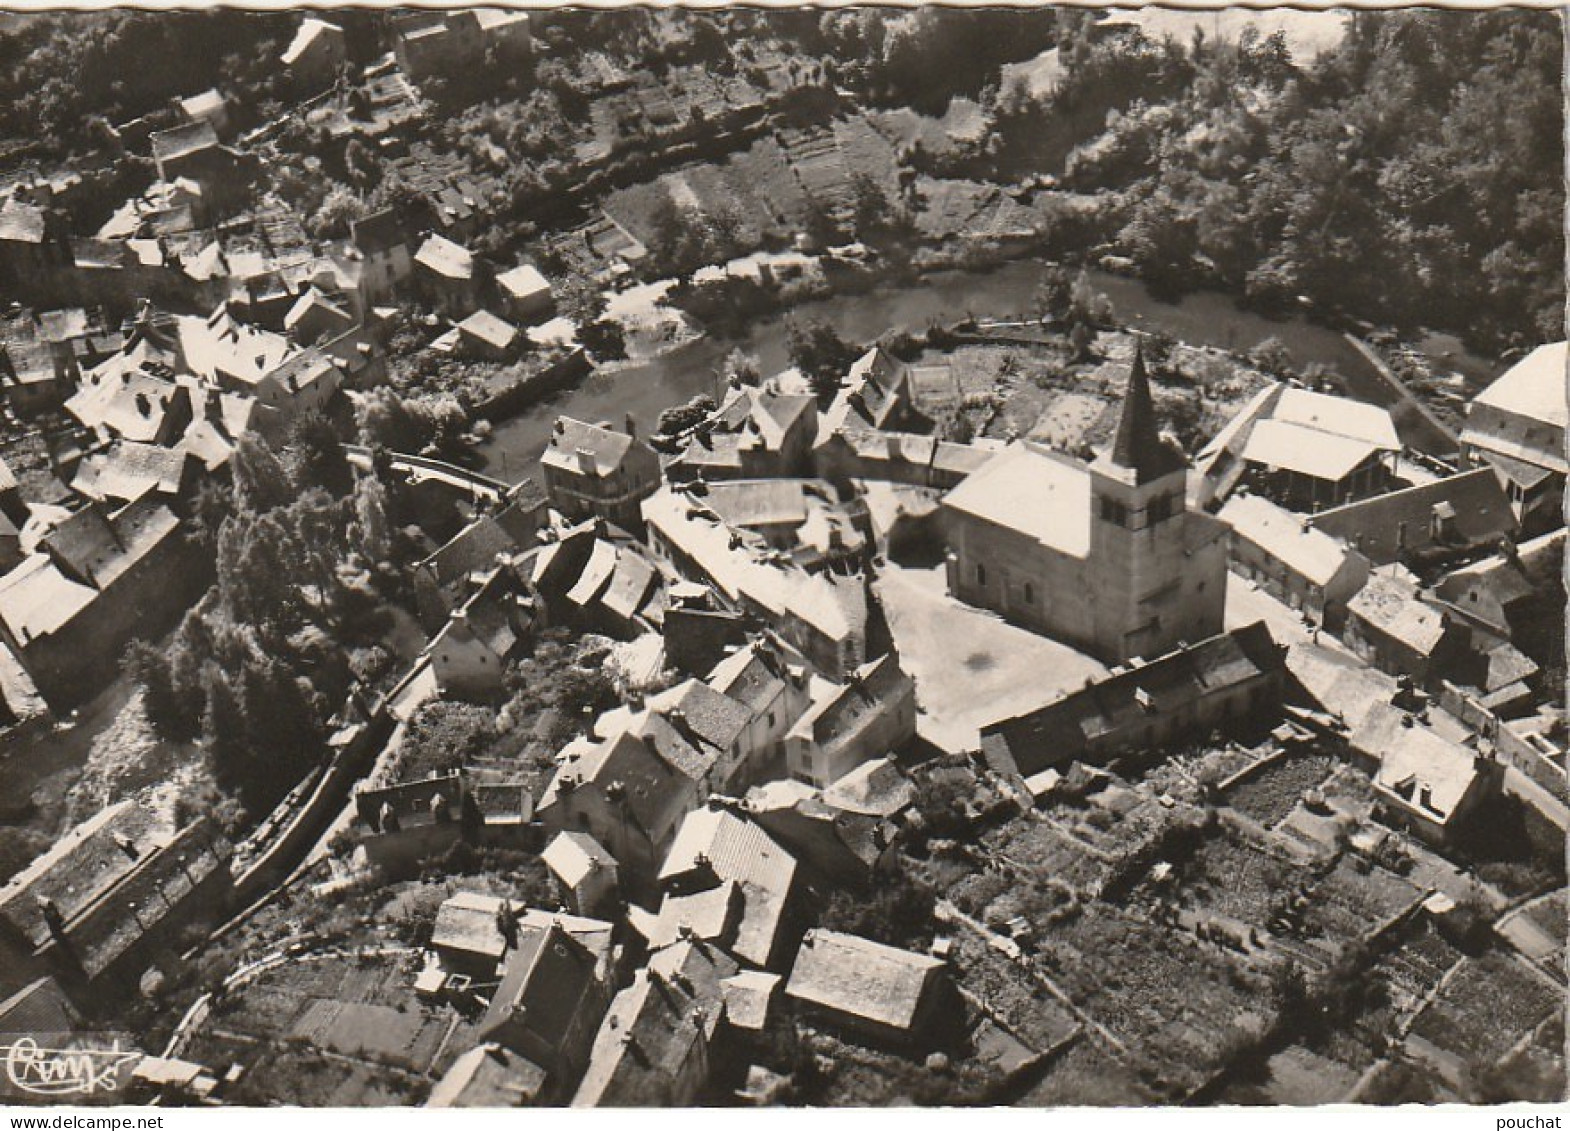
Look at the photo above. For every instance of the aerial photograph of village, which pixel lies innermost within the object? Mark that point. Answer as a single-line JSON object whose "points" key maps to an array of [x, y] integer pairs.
{"points": [[740, 557]]}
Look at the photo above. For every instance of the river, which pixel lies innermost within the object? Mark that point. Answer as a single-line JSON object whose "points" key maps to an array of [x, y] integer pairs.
{"points": [[640, 390]]}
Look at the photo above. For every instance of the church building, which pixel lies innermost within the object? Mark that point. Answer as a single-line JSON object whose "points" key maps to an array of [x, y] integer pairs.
{"points": [[1107, 557]]}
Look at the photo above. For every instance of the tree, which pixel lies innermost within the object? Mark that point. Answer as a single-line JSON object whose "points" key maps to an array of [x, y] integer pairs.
{"points": [[371, 533], [741, 368], [260, 480], [821, 355], [898, 911], [1055, 292], [171, 714], [1272, 356], [319, 459]]}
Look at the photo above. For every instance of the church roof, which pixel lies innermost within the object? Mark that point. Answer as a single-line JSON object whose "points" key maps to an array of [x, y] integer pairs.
{"points": [[1138, 444]]}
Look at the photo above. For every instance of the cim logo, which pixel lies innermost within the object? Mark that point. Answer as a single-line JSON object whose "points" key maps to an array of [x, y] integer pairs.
{"points": [[74, 1067]]}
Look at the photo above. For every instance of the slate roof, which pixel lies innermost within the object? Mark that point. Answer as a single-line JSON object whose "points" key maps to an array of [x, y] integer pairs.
{"points": [[445, 258], [1481, 514], [1413, 758], [1392, 606], [654, 1026], [547, 981], [861, 978], [379, 232], [711, 716], [183, 140], [129, 470], [80, 866], [876, 687], [605, 448], [469, 921], [487, 328], [1027, 743], [310, 30], [1137, 444], [489, 1076], [573, 856], [1533, 387], [1288, 538], [523, 281], [159, 883], [22, 223]]}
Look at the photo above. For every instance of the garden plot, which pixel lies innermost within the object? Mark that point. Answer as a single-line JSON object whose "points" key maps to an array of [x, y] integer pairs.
{"points": [[1088, 1074], [1271, 792], [1178, 1006], [1010, 995], [1487, 1007]]}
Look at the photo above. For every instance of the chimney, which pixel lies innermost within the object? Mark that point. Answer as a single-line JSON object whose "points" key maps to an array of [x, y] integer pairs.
{"points": [[632, 426], [123, 843], [585, 460]]}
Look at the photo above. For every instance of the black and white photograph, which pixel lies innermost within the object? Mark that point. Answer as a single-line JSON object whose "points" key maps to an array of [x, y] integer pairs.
{"points": [[751, 557]]}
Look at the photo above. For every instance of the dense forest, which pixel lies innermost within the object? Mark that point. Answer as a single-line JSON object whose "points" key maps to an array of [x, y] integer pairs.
{"points": [[1413, 175]]}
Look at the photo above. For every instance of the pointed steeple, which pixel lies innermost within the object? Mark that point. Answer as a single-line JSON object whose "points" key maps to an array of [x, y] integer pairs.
{"points": [[1138, 445]]}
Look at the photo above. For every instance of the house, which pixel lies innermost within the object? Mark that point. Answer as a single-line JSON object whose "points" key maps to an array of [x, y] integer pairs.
{"points": [[844, 848], [439, 44], [315, 55], [593, 471], [470, 934], [194, 152], [877, 788], [1499, 596], [316, 315], [849, 454], [1195, 688], [555, 987], [698, 630], [757, 433], [446, 276], [209, 106], [1449, 515], [629, 791], [483, 335], [1305, 450], [35, 381], [97, 582], [489, 1076], [1517, 426], [655, 1047], [386, 261], [720, 852], [410, 821], [1300, 564], [471, 653], [871, 714], [585, 874], [1106, 557], [597, 579], [800, 517], [877, 393], [1393, 629], [28, 250], [109, 899], [526, 295], [775, 694], [823, 616], [135, 406], [127, 471], [445, 579], [878, 991], [1425, 783], [714, 720]]}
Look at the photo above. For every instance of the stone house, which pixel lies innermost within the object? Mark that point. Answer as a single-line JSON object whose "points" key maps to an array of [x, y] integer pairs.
{"points": [[868, 716]]}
